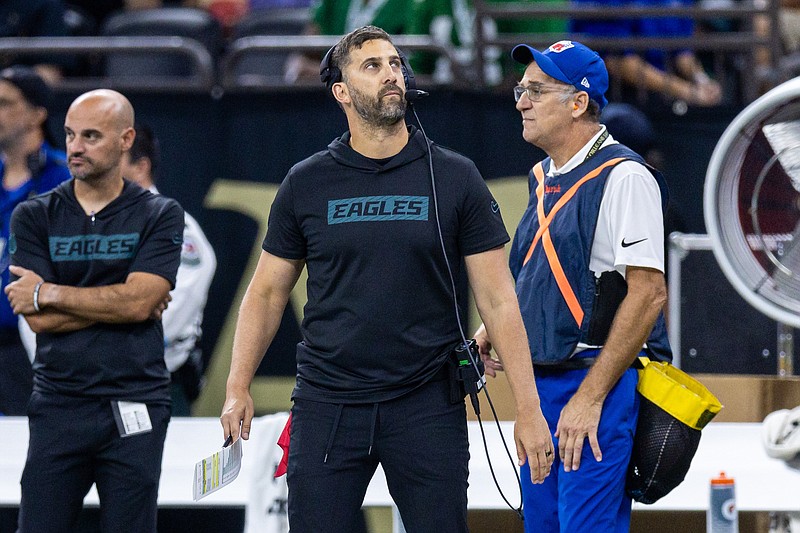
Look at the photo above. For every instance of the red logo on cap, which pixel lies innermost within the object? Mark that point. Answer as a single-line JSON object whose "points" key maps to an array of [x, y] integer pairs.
{"points": [[560, 46]]}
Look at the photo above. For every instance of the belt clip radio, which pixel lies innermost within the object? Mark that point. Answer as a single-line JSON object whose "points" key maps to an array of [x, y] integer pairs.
{"points": [[466, 379]]}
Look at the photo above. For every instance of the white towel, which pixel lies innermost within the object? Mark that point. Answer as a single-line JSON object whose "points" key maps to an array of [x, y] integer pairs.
{"points": [[266, 510]]}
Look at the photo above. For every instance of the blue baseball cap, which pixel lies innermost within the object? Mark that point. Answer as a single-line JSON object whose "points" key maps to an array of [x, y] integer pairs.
{"points": [[572, 63]]}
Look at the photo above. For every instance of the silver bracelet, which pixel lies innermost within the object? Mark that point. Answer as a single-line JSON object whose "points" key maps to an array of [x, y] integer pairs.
{"points": [[36, 296]]}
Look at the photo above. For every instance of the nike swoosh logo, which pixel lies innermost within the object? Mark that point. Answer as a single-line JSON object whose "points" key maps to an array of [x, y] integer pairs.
{"points": [[495, 207], [626, 244]]}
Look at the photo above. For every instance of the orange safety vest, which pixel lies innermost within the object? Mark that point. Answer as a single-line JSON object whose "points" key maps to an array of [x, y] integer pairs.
{"points": [[551, 252]]}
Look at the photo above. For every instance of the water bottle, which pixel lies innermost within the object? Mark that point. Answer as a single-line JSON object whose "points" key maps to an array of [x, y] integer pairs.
{"points": [[722, 516]]}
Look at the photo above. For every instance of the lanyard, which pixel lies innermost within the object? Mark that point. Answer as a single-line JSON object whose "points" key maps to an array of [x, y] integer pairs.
{"points": [[597, 144]]}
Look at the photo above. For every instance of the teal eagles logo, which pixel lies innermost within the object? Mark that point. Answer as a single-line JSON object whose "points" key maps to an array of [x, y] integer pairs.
{"points": [[94, 247], [377, 208]]}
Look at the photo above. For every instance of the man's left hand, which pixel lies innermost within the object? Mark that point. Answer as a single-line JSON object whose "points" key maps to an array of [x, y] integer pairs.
{"points": [[20, 291], [579, 419], [534, 444], [491, 366]]}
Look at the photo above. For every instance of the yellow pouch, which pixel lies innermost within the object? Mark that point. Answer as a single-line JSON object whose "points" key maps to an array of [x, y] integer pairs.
{"points": [[677, 393]]}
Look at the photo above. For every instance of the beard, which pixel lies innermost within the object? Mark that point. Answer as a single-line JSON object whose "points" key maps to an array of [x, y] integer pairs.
{"points": [[81, 173], [88, 171], [377, 112]]}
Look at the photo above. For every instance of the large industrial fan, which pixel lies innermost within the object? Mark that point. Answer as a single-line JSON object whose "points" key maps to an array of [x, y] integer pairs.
{"points": [[752, 207]]}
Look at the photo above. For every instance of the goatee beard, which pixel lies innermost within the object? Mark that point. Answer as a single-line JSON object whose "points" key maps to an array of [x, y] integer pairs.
{"points": [[377, 112]]}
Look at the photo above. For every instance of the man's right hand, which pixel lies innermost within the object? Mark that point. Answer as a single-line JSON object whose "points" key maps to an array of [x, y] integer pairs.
{"points": [[237, 413]]}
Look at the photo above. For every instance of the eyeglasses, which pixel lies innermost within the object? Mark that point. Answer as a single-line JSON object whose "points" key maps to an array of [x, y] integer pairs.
{"points": [[536, 90]]}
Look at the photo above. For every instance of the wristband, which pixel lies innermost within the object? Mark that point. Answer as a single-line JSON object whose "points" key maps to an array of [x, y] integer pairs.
{"points": [[36, 296]]}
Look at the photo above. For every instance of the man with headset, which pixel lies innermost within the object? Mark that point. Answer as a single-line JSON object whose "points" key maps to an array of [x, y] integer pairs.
{"points": [[380, 324], [29, 165], [588, 259]]}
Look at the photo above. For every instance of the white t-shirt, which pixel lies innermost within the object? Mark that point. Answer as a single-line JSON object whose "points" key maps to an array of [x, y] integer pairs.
{"points": [[630, 225]]}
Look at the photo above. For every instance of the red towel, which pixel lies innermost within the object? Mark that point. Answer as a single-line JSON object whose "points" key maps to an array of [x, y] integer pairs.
{"points": [[283, 442]]}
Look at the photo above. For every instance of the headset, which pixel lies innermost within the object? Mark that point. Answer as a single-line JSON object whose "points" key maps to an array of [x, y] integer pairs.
{"points": [[330, 74]]}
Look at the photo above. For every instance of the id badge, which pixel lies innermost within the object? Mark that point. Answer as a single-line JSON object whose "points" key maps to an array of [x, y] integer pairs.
{"points": [[132, 418]]}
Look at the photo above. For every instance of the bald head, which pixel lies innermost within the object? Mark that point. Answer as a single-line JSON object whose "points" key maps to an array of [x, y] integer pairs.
{"points": [[99, 129], [109, 103]]}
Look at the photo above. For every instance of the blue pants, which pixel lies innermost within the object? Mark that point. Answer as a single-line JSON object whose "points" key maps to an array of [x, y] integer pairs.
{"points": [[420, 440], [74, 442], [593, 497]]}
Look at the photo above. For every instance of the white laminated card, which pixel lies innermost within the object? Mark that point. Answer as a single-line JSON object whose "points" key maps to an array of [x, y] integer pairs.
{"points": [[216, 471]]}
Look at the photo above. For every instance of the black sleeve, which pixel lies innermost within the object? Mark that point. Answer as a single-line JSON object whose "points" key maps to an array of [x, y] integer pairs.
{"points": [[482, 226], [28, 244], [284, 236], [160, 251]]}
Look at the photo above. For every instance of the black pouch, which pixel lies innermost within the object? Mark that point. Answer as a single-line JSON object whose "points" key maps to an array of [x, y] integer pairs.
{"points": [[610, 289], [457, 392], [461, 375]]}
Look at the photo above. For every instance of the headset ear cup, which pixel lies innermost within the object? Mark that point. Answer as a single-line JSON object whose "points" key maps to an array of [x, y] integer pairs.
{"points": [[328, 73], [408, 73], [325, 67]]}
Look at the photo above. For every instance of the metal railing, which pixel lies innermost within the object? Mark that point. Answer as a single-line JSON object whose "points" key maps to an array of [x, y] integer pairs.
{"points": [[741, 45], [743, 42], [201, 62], [244, 46]]}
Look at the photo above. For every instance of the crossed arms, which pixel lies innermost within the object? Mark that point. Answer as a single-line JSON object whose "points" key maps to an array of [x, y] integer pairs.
{"points": [[63, 308]]}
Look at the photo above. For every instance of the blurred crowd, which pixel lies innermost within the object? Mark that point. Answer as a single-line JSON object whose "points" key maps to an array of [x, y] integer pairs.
{"points": [[671, 74]]}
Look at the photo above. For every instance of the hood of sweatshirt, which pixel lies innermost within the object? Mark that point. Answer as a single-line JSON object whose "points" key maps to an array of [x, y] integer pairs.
{"points": [[344, 154], [131, 192]]}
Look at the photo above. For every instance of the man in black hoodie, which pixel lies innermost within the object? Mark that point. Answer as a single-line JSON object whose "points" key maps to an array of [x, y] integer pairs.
{"points": [[93, 262], [380, 323]]}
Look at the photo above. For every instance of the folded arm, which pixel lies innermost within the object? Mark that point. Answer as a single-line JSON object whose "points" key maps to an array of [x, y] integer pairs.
{"points": [[64, 308], [53, 321]]}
